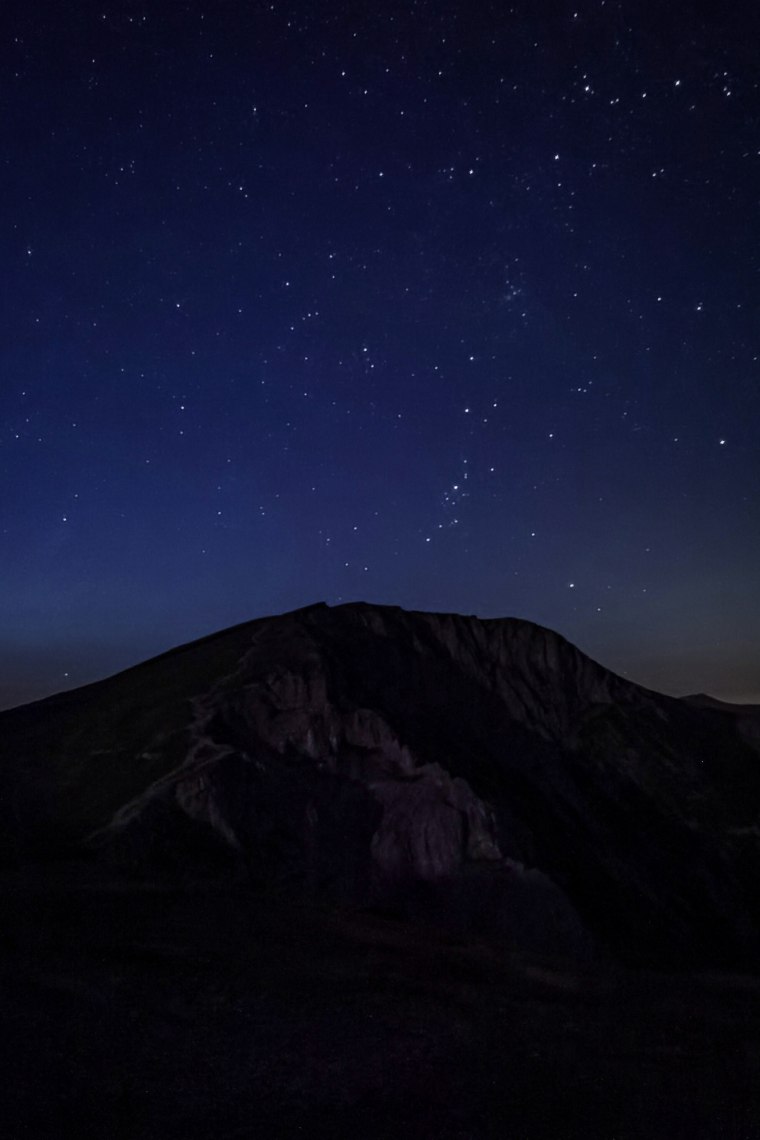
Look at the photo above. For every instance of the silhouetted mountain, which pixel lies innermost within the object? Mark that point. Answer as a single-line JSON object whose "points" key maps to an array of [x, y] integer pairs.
{"points": [[704, 700], [483, 774]]}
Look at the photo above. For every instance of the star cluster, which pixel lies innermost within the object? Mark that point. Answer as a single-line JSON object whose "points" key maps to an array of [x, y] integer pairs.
{"points": [[440, 305]]}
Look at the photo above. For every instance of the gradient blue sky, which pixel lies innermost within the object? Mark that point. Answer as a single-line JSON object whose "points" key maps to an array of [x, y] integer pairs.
{"points": [[452, 306]]}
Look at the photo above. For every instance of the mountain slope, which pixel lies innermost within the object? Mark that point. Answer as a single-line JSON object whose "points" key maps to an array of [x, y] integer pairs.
{"points": [[480, 772]]}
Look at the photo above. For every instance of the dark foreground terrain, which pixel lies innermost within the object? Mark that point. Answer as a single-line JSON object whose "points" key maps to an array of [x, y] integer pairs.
{"points": [[359, 872], [138, 1012]]}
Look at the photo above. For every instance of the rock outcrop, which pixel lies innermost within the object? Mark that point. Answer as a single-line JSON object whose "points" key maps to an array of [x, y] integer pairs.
{"points": [[481, 773]]}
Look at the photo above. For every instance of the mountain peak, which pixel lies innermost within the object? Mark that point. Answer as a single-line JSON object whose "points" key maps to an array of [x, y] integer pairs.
{"points": [[480, 772]]}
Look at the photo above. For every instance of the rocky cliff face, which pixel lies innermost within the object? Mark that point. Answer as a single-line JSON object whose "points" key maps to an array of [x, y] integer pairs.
{"points": [[482, 773]]}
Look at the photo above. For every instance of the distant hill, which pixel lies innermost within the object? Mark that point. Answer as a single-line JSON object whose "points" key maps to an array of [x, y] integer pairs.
{"points": [[702, 700], [481, 774], [747, 717]]}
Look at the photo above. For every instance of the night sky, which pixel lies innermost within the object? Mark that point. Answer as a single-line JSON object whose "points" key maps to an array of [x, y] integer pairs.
{"points": [[452, 306]]}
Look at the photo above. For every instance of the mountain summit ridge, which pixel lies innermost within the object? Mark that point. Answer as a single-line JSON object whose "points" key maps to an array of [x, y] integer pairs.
{"points": [[483, 773]]}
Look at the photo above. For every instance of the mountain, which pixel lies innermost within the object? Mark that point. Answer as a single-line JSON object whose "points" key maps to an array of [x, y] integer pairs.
{"points": [[703, 700], [480, 775], [747, 717]]}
